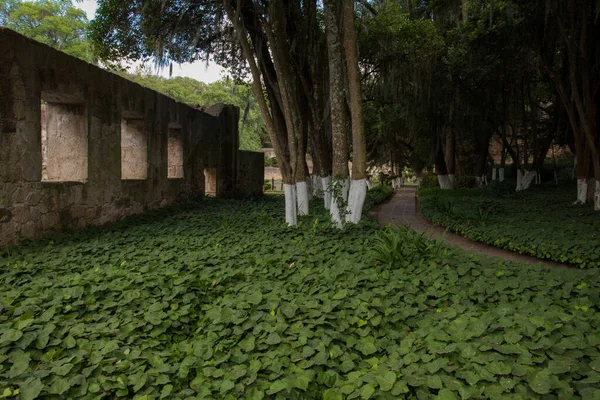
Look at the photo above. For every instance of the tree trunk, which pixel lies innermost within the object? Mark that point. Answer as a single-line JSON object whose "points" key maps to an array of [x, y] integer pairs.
{"points": [[337, 101], [483, 151], [451, 156], [358, 186], [276, 132], [441, 169]]}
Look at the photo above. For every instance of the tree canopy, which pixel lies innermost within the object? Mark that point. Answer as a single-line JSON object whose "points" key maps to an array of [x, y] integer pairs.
{"points": [[53, 22]]}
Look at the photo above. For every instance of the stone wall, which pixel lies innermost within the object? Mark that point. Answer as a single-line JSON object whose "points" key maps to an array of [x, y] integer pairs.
{"points": [[81, 146], [251, 166]]}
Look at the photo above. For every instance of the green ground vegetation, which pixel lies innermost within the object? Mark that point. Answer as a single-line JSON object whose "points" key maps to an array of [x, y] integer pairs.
{"points": [[219, 299], [542, 222]]}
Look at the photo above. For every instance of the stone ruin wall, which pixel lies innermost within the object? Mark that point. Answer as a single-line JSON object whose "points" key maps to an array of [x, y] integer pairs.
{"points": [[81, 146]]}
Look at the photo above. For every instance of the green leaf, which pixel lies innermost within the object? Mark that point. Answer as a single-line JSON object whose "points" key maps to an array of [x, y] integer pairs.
{"points": [[20, 361], [226, 386], [166, 391], [273, 338], [94, 388], [446, 394], [367, 346], [248, 343], [340, 295], [63, 369], [558, 366], [255, 297], [277, 387], [59, 386], [31, 389], [367, 391], [541, 383], [301, 381], [138, 380], [434, 382], [386, 380], [498, 368], [11, 335]]}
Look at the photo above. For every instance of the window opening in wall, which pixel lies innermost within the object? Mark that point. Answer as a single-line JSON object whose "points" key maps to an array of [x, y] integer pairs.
{"points": [[175, 153], [134, 149], [210, 182], [64, 140]]}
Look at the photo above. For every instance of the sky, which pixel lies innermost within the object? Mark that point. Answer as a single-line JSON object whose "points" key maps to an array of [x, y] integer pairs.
{"points": [[198, 70]]}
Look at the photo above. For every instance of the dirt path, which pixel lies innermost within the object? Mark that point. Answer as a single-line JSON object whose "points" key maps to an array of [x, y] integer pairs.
{"points": [[402, 209]]}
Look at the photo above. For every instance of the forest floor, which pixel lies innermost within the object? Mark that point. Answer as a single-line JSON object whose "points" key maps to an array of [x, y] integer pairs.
{"points": [[220, 299]]}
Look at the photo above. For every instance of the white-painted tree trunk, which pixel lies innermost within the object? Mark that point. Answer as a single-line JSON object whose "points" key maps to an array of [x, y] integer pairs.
{"points": [[582, 188], [369, 184], [338, 211], [291, 215], [444, 182], [493, 174], [309, 189], [336, 216], [501, 174], [326, 192], [478, 182], [591, 191], [452, 179], [316, 184], [356, 200], [400, 182], [597, 197], [302, 197], [524, 181]]}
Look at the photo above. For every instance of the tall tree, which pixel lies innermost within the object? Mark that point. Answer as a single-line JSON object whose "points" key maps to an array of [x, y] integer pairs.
{"points": [[570, 49], [358, 185], [339, 118], [53, 22]]}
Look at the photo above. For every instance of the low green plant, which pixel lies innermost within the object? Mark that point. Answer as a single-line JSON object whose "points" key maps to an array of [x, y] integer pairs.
{"points": [[176, 304], [377, 195], [399, 247], [267, 185], [541, 221]]}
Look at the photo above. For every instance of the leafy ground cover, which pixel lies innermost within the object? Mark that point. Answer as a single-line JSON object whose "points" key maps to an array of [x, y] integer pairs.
{"points": [[220, 300], [541, 221]]}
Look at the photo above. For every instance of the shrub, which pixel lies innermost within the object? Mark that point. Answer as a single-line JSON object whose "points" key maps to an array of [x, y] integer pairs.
{"points": [[465, 182], [429, 180], [270, 161], [377, 195], [267, 185]]}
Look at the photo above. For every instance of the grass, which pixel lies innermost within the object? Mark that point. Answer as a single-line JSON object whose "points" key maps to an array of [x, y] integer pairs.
{"points": [[542, 221], [218, 299]]}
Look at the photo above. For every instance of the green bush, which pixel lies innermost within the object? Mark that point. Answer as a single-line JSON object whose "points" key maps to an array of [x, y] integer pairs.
{"points": [[270, 161], [465, 182], [504, 188], [377, 195], [267, 185], [429, 180]]}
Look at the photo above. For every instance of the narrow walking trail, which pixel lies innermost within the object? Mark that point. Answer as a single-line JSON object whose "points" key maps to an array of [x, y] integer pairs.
{"points": [[403, 209]]}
